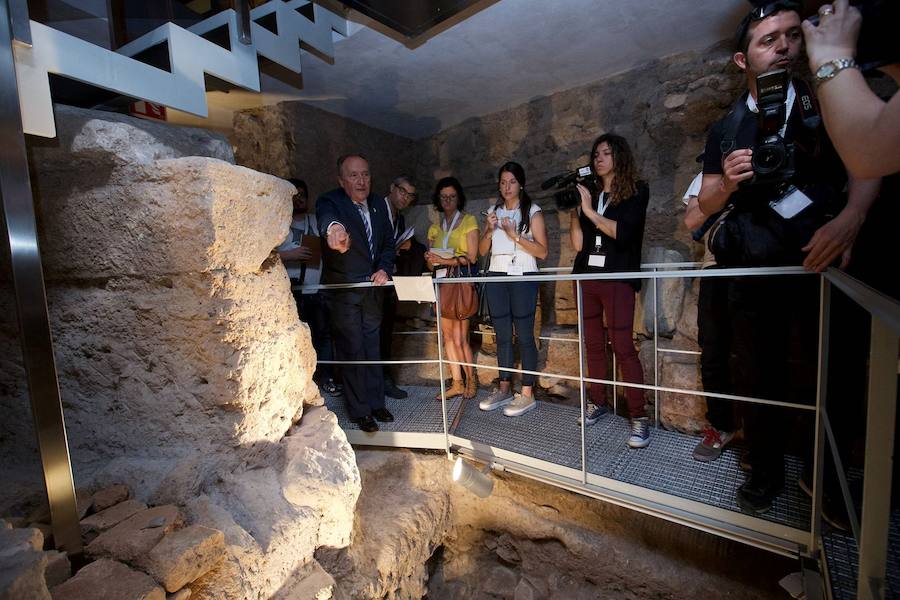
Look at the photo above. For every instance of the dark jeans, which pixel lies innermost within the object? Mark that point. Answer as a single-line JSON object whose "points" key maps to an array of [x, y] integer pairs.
{"points": [[714, 333], [356, 318], [616, 299], [514, 303], [313, 312], [774, 325]]}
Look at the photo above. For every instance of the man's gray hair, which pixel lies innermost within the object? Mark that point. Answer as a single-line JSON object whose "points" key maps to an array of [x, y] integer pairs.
{"points": [[343, 157], [403, 179]]}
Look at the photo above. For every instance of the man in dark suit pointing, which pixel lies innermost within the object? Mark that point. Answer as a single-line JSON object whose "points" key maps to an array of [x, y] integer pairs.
{"points": [[359, 247]]}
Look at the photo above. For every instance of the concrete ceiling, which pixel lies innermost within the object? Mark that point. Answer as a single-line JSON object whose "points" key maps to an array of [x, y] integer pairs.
{"points": [[506, 54]]}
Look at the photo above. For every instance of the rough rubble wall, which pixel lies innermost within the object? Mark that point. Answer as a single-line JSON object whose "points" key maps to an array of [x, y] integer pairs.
{"points": [[183, 366], [293, 139]]}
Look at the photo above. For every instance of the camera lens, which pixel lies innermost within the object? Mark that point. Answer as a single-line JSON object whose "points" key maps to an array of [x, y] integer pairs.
{"points": [[768, 157]]}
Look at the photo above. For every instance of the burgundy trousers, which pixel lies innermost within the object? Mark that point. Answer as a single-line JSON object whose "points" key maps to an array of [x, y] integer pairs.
{"points": [[616, 299]]}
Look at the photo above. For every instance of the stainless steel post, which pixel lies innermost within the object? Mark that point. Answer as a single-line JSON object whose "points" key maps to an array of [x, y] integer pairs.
{"points": [[815, 529], [440, 343], [655, 350], [876, 503], [31, 303], [581, 380]]}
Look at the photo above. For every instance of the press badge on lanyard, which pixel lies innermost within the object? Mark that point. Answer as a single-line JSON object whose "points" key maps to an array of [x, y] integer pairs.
{"points": [[597, 257], [791, 204]]}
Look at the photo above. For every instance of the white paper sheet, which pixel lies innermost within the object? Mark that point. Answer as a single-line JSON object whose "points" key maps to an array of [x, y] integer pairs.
{"points": [[419, 288]]}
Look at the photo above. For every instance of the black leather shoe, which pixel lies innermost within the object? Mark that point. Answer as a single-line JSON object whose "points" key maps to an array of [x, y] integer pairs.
{"points": [[383, 415], [392, 391], [366, 423]]}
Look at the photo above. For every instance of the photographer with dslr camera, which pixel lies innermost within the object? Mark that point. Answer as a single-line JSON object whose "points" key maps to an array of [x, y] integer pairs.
{"points": [[771, 165]]}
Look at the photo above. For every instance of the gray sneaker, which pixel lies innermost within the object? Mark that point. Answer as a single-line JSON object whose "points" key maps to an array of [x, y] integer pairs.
{"points": [[521, 405], [496, 400]]}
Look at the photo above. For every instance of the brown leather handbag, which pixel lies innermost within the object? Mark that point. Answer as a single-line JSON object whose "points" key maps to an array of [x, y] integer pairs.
{"points": [[459, 301]]}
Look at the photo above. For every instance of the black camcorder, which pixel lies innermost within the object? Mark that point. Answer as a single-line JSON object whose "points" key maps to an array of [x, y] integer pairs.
{"points": [[878, 43], [773, 157], [568, 197]]}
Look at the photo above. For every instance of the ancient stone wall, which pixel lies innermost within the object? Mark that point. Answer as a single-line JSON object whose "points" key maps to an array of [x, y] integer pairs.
{"points": [[293, 139], [183, 367]]}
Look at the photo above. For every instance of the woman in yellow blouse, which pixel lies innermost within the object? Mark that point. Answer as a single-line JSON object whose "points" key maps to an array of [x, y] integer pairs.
{"points": [[456, 232]]}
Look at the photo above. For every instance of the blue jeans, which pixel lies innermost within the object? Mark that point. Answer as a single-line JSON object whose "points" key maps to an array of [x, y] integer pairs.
{"points": [[514, 303]]}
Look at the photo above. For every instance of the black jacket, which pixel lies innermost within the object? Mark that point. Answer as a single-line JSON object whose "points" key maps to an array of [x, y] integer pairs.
{"points": [[357, 264]]}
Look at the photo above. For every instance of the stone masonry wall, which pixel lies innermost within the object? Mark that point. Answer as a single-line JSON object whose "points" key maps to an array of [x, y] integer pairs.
{"points": [[293, 139], [184, 370]]}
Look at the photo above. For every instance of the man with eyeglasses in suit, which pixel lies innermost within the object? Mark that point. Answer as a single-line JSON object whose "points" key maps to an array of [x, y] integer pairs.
{"points": [[410, 260]]}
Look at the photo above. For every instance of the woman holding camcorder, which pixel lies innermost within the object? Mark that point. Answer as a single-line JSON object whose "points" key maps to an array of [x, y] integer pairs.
{"points": [[607, 231], [516, 238]]}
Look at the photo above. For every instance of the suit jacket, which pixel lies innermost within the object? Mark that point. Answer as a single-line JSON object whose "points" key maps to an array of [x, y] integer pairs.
{"points": [[356, 264]]}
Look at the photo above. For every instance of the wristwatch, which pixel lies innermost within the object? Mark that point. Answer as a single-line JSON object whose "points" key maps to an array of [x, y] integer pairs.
{"points": [[828, 70]]}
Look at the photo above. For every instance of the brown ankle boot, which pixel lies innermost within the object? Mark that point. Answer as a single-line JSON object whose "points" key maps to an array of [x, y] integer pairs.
{"points": [[453, 391], [471, 386]]}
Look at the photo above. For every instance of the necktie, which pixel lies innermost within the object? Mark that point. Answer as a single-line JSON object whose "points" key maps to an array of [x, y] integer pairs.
{"points": [[363, 214]]}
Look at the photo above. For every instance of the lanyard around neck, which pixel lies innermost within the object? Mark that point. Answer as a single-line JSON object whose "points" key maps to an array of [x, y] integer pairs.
{"points": [[447, 232], [601, 205]]}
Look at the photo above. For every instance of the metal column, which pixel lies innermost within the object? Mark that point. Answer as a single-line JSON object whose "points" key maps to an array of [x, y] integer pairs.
{"points": [[31, 301], [876, 503]]}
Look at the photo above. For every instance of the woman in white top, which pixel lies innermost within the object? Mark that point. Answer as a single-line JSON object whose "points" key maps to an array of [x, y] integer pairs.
{"points": [[515, 237]]}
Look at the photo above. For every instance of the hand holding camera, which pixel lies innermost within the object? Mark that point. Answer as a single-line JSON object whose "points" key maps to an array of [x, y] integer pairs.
{"points": [[738, 167]]}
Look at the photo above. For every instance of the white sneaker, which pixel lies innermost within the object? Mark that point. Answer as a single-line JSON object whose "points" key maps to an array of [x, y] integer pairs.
{"points": [[521, 405], [497, 399]]}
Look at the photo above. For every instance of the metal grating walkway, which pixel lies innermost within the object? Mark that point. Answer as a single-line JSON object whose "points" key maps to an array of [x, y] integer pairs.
{"points": [[552, 433], [842, 559]]}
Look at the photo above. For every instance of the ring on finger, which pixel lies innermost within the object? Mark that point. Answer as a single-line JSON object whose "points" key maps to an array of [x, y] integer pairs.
{"points": [[825, 10]]}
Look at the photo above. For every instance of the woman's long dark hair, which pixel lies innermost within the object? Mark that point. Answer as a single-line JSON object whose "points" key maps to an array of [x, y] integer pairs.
{"points": [[524, 199], [624, 184]]}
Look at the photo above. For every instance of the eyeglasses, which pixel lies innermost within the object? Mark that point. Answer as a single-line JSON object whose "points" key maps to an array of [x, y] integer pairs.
{"points": [[449, 198], [406, 193]]}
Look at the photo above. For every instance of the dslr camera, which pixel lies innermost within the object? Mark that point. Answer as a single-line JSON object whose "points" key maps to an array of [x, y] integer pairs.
{"points": [[568, 197], [773, 157]]}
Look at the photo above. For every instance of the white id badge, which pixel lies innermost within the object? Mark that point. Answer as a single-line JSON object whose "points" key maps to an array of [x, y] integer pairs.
{"points": [[440, 273], [791, 204], [597, 260], [515, 270], [598, 242]]}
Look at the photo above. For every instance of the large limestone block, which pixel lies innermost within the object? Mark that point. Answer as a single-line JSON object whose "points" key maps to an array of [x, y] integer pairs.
{"points": [[295, 497], [106, 579], [133, 538], [93, 139], [185, 555], [320, 472], [175, 215], [199, 361], [22, 564], [403, 515], [112, 516]]}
